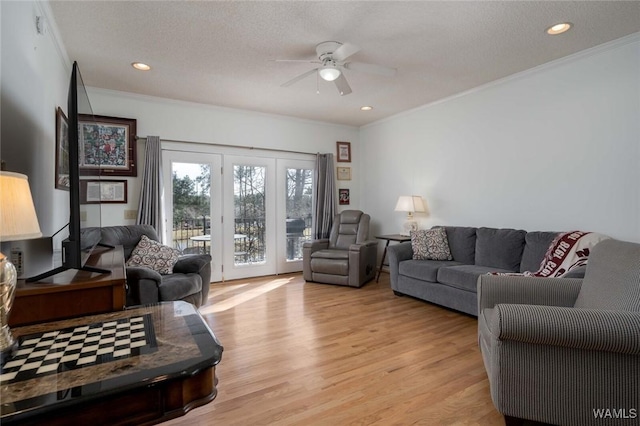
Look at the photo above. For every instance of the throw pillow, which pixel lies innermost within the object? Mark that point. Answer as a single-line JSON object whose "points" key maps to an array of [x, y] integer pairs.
{"points": [[151, 254], [430, 244]]}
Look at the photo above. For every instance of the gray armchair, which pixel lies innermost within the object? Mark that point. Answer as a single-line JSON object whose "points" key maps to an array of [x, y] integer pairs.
{"points": [[189, 281], [566, 350], [347, 257]]}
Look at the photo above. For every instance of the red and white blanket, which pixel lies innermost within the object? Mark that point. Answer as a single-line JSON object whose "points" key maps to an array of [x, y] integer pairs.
{"points": [[567, 251]]}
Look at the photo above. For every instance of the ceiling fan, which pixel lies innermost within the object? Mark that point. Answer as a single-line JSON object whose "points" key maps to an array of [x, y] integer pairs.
{"points": [[332, 60]]}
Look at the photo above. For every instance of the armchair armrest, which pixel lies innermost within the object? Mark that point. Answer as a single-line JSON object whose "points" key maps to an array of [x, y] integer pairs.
{"points": [[588, 329], [142, 285], [364, 245], [191, 264], [308, 248], [494, 289], [315, 245]]}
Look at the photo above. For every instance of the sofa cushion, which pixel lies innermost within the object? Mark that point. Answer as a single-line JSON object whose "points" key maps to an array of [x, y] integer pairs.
{"points": [[536, 245], [500, 248], [430, 244], [154, 255], [462, 243], [465, 276], [425, 270]]}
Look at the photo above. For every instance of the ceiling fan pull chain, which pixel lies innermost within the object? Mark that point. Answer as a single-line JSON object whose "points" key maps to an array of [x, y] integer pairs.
{"points": [[317, 83]]}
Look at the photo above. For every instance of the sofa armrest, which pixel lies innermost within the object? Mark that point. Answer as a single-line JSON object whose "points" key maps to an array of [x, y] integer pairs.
{"points": [[588, 329], [142, 286], [396, 254], [494, 289]]}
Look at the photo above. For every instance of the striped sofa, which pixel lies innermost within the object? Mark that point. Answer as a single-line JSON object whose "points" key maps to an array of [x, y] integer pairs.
{"points": [[566, 351]]}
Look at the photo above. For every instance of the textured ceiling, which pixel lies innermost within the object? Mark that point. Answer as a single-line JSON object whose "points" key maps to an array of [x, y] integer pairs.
{"points": [[221, 53]]}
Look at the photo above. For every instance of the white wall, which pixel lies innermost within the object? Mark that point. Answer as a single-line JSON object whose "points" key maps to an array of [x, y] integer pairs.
{"points": [[191, 122], [34, 80], [554, 148]]}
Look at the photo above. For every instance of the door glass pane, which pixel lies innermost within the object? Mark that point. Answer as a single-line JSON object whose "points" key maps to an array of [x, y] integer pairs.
{"points": [[249, 214], [299, 189], [191, 207]]}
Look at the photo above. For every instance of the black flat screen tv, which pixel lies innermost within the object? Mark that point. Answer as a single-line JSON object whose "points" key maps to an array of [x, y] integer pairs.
{"points": [[84, 219]]}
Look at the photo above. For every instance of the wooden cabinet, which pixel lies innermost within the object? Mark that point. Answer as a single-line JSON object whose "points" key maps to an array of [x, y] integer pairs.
{"points": [[73, 293]]}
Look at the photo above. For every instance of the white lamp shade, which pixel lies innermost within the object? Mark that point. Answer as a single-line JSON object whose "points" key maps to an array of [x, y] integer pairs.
{"points": [[18, 220], [329, 73], [410, 203]]}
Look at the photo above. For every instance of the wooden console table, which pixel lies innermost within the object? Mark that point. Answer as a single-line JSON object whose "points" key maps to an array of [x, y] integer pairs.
{"points": [[139, 366], [73, 293]]}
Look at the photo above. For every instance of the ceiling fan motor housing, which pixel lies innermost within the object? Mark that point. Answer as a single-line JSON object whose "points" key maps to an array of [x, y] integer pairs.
{"points": [[325, 50]]}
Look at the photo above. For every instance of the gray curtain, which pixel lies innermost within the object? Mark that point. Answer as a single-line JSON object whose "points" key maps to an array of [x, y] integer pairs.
{"points": [[150, 209], [324, 196]]}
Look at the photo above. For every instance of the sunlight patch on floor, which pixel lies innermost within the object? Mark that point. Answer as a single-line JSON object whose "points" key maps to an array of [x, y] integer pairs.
{"points": [[245, 296]]}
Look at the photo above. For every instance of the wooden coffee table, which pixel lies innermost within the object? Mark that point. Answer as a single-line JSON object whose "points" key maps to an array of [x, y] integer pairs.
{"points": [[140, 366]]}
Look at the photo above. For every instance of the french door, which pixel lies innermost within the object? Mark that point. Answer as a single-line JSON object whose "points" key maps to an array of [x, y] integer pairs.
{"points": [[193, 199], [252, 214]]}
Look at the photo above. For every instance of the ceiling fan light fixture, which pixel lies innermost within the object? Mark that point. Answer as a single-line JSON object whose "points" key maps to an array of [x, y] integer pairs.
{"points": [[329, 72]]}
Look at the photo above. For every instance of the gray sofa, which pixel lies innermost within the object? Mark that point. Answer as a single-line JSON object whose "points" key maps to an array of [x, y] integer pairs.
{"points": [[189, 281], [475, 252]]}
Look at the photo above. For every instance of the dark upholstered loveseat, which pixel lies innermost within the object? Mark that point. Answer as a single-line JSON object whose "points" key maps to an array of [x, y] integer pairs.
{"points": [[475, 252], [189, 281]]}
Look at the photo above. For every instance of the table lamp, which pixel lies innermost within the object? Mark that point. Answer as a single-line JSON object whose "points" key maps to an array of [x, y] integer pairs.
{"points": [[18, 221], [410, 204]]}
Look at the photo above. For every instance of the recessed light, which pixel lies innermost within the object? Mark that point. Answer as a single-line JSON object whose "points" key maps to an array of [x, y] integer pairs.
{"points": [[559, 28], [366, 108], [140, 66]]}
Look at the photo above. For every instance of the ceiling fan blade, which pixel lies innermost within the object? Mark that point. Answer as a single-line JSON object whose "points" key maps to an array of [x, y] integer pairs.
{"points": [[298, 78], [344, 51], [306, 61], [371, 68], [342, 85]]}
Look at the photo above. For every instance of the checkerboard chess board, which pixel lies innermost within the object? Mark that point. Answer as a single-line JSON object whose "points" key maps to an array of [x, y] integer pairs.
{"points": [[72, 348]]}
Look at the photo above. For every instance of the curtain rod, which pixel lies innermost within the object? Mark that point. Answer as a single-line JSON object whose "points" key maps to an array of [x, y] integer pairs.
{"points": [[138, 138]]}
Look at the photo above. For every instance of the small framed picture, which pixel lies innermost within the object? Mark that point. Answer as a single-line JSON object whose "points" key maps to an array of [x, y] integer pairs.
{"points": [[344, 173], [103, 191], [62, 151], [344, 152], [343, 197]]}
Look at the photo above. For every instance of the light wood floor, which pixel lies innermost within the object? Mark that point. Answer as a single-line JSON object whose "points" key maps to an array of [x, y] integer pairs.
{"points": [[299, 353]]}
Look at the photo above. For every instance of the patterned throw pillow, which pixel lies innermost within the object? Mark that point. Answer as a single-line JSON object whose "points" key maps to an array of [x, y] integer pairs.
{"points": [[430, 244], [151, 254]]}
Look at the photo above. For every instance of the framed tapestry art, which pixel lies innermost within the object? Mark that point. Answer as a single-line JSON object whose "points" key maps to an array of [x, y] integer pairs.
{"points": [[107, 146], [62, 151]]}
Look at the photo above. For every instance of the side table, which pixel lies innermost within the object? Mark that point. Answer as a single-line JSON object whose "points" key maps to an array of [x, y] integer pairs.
{"points": [[392, 237]]}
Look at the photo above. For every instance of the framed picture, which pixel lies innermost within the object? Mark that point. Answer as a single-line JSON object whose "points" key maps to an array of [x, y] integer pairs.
{"points": [[344, 152], [103, 191], [343, 199], [344, 173], [62, 151], [107, 146]]}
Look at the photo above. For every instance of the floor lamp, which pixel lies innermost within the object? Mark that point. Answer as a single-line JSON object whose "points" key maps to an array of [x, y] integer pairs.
{"points": [[18, 221]]}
